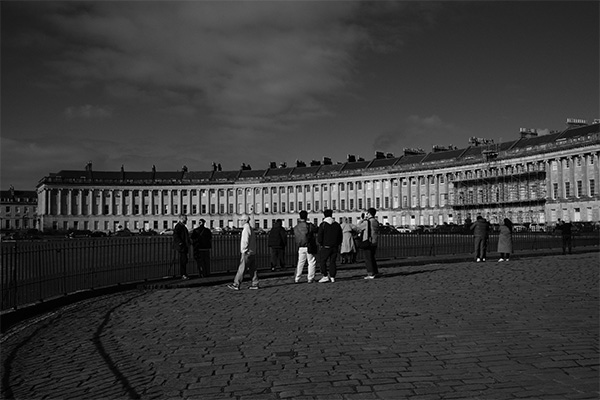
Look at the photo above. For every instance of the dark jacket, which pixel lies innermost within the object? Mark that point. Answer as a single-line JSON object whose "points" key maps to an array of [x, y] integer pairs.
{"points": [[330, 233], [305, 233], [201, 239], [181, 238], [277, 237], [480, 227]]}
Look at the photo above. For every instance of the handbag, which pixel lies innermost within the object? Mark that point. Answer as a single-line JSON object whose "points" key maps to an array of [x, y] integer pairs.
{"points": [[366, 244]]}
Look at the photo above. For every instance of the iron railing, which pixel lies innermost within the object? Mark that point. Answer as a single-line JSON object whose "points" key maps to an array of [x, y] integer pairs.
{"points": [[36, 271]]}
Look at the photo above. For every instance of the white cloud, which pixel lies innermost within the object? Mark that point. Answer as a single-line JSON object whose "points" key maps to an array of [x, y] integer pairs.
{"points": [[261, 61]]}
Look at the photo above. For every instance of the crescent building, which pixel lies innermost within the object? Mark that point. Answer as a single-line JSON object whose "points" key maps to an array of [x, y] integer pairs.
{"points": [[531, 179]]}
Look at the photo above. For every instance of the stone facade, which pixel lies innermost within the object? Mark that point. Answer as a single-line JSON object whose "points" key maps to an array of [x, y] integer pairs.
{"points": [[535, 179]]}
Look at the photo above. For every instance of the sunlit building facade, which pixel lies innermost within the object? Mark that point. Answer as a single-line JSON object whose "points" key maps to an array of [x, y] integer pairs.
{"points": [[532, 179], [18, 209]]}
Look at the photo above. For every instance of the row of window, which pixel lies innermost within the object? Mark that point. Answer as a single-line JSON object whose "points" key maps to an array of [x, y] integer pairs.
{"points": [[17, 209], [579, 189]]}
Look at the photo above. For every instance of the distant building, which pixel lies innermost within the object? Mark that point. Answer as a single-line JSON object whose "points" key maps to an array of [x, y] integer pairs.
{"points": [[18, 209], [535, 179]]}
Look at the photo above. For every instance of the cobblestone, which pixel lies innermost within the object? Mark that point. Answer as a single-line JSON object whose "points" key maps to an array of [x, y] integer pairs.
{"points": [[523, 329]]}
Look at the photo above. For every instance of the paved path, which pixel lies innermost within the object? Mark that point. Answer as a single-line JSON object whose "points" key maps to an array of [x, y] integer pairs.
{"points": [[523, 329]]}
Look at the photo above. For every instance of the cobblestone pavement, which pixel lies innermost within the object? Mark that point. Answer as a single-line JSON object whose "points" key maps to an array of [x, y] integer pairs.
{"points": [[523, 329]]}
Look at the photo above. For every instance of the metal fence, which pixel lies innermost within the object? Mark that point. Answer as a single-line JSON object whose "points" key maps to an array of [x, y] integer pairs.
{"points": [[35, 271]]}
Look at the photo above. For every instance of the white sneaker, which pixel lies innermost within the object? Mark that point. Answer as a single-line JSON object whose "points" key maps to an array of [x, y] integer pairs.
{"points": [[332, 279], [479, 259], [483, 259], [500, 260], [369, 277], [324, 279]]}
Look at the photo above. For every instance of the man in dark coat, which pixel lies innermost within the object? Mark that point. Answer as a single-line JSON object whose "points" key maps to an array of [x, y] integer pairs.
{"points": [[480, 230], [181, 244], [566, 229], [202, 242], [277, 243], [329, 237]]}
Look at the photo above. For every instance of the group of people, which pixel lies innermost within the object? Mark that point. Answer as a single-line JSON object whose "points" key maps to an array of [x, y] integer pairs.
{"points": [[481, 232], [201, 241], [317, 245], [321, 245]]}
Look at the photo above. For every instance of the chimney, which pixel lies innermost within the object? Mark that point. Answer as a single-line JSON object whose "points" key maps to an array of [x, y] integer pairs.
{"points": [[576, 122]]}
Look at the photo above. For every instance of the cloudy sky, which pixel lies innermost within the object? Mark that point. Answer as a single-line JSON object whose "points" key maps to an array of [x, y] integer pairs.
{"points": [[145, 83]]}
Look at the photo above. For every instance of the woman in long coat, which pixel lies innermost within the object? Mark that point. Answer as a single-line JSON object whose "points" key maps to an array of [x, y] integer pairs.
{"points": [[348, 248], [505, 246]]}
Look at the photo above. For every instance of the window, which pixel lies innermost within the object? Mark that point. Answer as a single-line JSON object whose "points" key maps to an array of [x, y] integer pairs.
{"points": [[360, 204], [555, 190], [351, 204], [579, 188], [592, 187], [567, 189], [342, 204]]}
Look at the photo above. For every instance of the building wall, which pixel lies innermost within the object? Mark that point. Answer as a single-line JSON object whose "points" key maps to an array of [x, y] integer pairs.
{"points": [[535, 185], [18, 210]]}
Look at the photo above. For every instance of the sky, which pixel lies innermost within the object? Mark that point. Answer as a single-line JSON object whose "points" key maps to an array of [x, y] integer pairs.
{"points": [[192, 83]]}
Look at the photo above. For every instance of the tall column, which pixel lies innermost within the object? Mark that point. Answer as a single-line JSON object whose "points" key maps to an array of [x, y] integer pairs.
{"points": [[559, 178], [584, 174], [572, 175], [47, 206], [69, 201]]}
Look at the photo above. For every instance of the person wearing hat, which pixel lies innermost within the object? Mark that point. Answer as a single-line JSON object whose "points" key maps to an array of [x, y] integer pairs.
{"points": [[202, 243]]}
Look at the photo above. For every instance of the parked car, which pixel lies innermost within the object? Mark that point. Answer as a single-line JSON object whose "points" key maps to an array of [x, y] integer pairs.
{"points": [[537, 227], [79, 233], [98, 234], [166, 232], [519, 228], [149, 232], [403, 229], [387, 230]]}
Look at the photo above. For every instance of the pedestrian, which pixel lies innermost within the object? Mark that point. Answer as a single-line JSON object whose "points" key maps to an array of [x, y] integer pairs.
{"points": [[505, 245], [348, 248], [304, 234], [566, 231], [329, 238], [369, 227], [202, 243], [480, 230], [277, 243], [181, 244], [248, 256]]}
